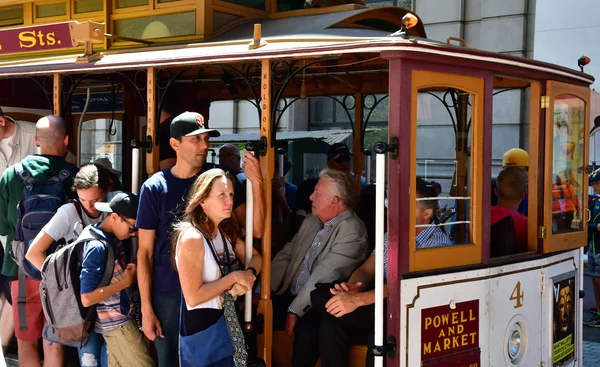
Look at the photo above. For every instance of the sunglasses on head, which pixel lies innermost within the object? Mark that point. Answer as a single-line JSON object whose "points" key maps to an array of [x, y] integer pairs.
{"points": [[132, 229], [341, 158]]}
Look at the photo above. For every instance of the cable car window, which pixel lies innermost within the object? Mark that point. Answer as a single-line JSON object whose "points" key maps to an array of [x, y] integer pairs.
{"points": [[101, 139], [568, 173], [444, 172]]}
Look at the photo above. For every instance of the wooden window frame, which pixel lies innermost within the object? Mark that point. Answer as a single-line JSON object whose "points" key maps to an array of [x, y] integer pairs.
{"points": [[461, 254], [564, 241]]}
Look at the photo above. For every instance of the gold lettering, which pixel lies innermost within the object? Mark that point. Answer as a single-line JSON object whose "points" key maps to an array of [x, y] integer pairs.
{"points": [[50, 39], [427, 322], [473, 337], [40, 37], [461, 329], [464, 340], [436, 321], [446, 343], [27, 39], [450, 330], [445, 319], [462, 317], [471, 317], [455, 317], [427, 348], [455, 342], [442, 334], [437, 347]]}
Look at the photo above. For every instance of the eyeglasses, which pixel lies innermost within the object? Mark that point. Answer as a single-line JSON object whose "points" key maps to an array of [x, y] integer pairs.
{"points": [[132, 229]]}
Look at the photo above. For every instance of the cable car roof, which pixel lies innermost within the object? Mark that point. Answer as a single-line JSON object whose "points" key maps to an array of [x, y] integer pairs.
{"points": [[288, 46]]}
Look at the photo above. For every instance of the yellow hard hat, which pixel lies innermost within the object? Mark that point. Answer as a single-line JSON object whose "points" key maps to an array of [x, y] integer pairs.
{"points": [[515, 157]]}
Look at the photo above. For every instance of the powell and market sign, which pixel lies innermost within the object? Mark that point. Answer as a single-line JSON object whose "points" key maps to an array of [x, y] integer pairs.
{"points": [[40, 38]]}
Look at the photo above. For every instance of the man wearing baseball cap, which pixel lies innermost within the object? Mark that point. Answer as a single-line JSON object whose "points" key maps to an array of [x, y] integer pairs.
{"points": [[338, 157], [162, 201], [124, 342]]}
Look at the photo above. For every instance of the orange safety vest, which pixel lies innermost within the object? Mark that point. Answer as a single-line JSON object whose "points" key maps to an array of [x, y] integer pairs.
{"points": [[564, 198]]}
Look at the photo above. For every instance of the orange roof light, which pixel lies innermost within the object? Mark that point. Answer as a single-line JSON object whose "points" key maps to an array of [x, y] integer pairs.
{"points": [[583, 61], [409, 20]]}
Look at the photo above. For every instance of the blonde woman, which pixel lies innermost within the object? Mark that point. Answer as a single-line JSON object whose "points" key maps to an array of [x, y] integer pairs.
{"points": [[207, 248]]}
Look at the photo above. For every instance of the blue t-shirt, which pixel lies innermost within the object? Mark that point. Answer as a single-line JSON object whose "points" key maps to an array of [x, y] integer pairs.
{"points": [[290, 196], [163, 198]]}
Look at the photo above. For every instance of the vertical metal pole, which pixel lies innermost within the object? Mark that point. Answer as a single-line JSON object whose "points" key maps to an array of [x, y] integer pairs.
{"points": [[249, 240], [379, 228], [357, 162], [367, 154]]}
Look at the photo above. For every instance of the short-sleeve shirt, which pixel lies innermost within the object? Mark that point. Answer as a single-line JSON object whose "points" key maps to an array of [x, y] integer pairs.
{"points": [[499, 212], [114, 311], [66, 223], [163, 198]]}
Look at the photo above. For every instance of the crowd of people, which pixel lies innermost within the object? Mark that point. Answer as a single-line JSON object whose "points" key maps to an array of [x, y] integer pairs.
{"points": [[175, 301]]}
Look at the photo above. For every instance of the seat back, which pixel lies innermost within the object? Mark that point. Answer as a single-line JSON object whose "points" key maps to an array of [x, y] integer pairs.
{"points": [[503, 238]]}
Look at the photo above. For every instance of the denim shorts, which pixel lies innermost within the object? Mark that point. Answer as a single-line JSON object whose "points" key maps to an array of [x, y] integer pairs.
{"points": [[593, 261]]}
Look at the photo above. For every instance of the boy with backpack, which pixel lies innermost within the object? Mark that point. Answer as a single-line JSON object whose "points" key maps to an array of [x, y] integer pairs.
{"points": [[123, 339], [39, 174]]}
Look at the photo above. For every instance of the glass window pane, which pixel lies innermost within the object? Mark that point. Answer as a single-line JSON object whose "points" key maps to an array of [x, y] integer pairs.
{"points": [[12, 15], [130, 3], [167, 1], [97, 141], [170, 25], [443, 208], [51, 10], [568, 172], [87, 6]]}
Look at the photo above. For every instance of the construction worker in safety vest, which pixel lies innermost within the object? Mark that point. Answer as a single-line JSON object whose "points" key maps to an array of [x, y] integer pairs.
{"points": [[565, 206]]}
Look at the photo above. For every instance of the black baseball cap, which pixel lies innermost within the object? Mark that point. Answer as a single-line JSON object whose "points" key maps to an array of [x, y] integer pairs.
{"points": [[337, 151], [6, 117], [124, 204], [190, 124]]}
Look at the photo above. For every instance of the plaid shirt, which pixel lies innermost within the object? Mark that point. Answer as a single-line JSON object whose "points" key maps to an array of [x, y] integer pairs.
{"points": [[431, 237], [305, 268], [22, 144]]}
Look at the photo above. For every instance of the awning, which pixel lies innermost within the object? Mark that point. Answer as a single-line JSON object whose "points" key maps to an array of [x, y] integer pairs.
{"points": [[327, 136]]}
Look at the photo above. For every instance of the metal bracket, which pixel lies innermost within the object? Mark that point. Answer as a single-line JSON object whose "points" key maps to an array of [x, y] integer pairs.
{"points": [[259, 147], [148, 144], [388, 349], [391, 147]]}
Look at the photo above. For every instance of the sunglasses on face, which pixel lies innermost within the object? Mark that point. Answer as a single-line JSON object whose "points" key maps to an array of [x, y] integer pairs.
{"points": [[132, 229]]}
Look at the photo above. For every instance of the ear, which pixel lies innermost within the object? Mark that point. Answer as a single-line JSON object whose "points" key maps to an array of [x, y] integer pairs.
{"points": [[66, 141], [335, 200], [2, 121], [174, 144], [36, 140], [427, 215]]}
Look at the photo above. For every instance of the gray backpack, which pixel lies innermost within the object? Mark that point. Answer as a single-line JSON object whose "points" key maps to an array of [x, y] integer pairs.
{"points": [[70, 322]]}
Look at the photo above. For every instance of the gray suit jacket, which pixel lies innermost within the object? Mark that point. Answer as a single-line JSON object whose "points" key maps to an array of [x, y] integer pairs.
{"points": [[342, 251]]}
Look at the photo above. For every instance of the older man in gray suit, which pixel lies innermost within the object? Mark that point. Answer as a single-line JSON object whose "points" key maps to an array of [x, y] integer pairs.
{"points": [[330, 244]]}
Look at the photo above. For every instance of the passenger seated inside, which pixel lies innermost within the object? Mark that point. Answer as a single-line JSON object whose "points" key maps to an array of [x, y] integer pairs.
{"points": [[428, 232], [514, 157], [346, 311], [511, 189]]}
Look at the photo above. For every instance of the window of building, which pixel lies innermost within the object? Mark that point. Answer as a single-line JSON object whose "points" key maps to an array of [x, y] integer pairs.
{"points": [[11, 16], [101, 138], [407, 4], [120, 4], [88, 6], [160, 26], [51, 10]]}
